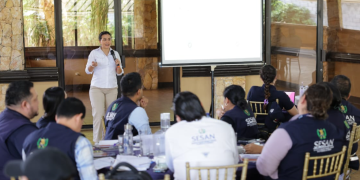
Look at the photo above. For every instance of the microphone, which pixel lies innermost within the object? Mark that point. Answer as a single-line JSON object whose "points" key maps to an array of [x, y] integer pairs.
{"points": [[113, 55]]}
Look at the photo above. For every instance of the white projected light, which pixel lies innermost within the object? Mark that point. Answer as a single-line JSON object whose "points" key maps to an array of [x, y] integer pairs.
{"points": [[211, 31]]}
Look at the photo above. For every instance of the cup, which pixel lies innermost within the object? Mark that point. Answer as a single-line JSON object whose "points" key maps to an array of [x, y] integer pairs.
{"points": [[147, 144], [165, 120]]}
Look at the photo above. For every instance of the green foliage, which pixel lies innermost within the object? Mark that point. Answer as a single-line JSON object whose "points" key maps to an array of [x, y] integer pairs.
{"points": [[290, 13], [99, 15], [36, 29]]}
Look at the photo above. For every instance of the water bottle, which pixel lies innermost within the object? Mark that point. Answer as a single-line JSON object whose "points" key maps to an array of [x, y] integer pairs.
{"points": [[165, 121], [128, 140], [301, 90]]}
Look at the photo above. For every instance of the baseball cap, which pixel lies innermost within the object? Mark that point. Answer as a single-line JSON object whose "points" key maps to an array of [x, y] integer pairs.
{"points": [[43, 164]]}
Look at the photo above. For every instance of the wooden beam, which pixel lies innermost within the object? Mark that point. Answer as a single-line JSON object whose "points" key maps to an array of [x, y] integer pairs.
{"points": [[335, 24]]}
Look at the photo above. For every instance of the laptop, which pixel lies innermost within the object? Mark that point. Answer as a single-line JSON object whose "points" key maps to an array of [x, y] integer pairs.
{"points": [[291, 96]]}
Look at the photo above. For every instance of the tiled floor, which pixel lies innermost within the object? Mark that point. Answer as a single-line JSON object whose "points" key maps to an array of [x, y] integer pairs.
{"points": [[160, 101]]}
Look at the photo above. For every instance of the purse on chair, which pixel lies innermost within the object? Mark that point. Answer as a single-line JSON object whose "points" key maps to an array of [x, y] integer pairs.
{"points": [[133, 174]]}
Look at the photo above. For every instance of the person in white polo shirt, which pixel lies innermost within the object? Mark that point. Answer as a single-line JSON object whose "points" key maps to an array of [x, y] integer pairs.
{"points": [[199, 140], [104, 63]]}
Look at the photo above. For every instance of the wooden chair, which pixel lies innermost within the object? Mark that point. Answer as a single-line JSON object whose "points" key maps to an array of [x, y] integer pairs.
{"points": [[101, 176], [103, 126], [167, 177], [354, 138], [257, 108], [334, 168], [243, 173]]}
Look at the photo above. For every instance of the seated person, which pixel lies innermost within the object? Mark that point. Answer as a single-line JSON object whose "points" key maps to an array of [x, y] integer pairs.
{"points": [[65, 135], [352, 113], [52, 98], [309, 132], [21, 102], [125, 109], [238, 114], [337, 118], [199, 140], [268, 94], [49, 163]]}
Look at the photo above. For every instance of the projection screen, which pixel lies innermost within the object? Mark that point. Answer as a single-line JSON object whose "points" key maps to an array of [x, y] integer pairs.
{"points": [[210, 32]]}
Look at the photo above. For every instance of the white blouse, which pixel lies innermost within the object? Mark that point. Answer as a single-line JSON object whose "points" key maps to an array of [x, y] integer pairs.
{"points": [[104, 74]]}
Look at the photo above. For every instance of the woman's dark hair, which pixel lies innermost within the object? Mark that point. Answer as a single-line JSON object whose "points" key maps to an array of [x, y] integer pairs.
{"points": [[319, 98], [236, 95], [187, 106], [268, 75], [103, 33], [51, 100], [336, 98], [343, 83]]}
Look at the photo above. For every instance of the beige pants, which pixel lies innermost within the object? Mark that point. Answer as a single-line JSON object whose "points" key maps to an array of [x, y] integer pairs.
{"points": [[100, 98]]}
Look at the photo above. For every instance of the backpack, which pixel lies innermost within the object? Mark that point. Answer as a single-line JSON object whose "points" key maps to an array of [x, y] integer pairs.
{"points": [[133, 174]]}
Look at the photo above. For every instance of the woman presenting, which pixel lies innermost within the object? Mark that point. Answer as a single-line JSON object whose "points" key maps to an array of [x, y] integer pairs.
{"points": [[104, 63]]}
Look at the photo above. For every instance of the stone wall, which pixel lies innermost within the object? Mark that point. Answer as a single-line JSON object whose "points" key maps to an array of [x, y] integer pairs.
{"points": [[11, 35], [3, 88], [148, 69], [145, 20], [221, 83]]}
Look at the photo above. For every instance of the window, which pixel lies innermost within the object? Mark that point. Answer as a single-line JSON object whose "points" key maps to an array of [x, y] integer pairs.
{"points": [[39, 33], [293, 41]]}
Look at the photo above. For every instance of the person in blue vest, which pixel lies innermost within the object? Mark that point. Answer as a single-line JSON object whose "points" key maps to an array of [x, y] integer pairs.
{"points": [[338, 119], [267, 93], [125, 109], [22, 104], [283, 154], [238, 113], [352, 114], [334, 114], [65, 135], [51, 100]]}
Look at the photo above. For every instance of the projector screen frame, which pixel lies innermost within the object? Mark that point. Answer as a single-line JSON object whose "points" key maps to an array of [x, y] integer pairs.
{"points": [[160, 45]]}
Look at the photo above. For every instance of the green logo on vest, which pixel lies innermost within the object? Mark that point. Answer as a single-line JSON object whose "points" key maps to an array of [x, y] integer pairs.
{"points": [[247, 112], [321, 133], [346, 124], [202, 131], [42, 143], [114, 107], [343, 109]]}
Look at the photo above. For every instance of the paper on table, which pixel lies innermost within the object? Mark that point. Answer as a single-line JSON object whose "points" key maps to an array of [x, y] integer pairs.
{"points": [[140, 163], [103, 162], [108, 142]]}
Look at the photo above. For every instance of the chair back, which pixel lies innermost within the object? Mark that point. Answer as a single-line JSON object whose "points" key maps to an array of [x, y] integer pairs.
{"points": [[258, 109], [335, 160], [354, 138], [101, 176], [243, 173], [167, 177], [103, 126]]}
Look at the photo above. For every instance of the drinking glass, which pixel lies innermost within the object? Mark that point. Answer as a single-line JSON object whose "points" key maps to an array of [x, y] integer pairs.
{"points": [[120, 139]]}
